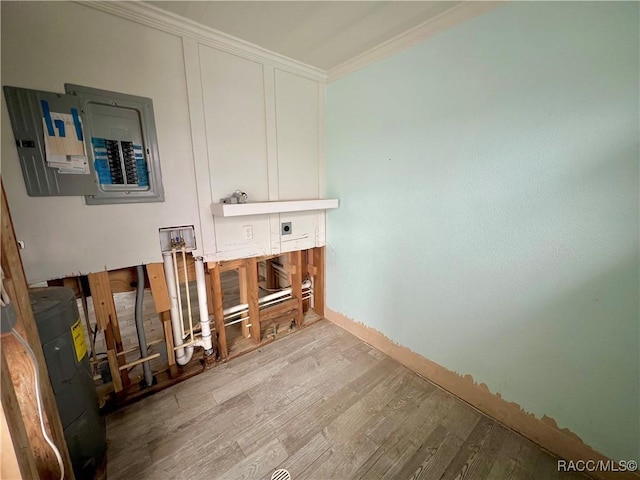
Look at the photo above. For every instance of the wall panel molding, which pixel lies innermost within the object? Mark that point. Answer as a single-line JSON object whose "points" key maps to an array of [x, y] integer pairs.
{"points": [[193, 75], [169, 22], [160, 19]]}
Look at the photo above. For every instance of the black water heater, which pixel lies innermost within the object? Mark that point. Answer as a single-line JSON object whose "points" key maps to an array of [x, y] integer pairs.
{"points": [[65, 352]]}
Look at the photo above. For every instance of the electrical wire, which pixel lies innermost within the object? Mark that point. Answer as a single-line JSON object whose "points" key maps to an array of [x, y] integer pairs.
{"points": [[39, 400], [4, 300]]}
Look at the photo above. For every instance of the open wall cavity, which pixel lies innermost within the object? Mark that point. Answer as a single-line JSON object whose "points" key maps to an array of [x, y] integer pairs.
{"points": [[140, 343]]}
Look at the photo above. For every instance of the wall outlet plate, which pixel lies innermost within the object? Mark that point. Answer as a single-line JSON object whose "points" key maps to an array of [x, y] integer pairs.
{"points": [[247, 232], [285, 228]]}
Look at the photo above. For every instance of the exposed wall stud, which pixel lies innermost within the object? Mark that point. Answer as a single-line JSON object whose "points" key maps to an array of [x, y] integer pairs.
{"points": [[252, 299], [218, 315]]}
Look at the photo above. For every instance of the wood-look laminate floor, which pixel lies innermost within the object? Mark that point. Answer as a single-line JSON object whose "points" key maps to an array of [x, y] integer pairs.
{"points": [[323, 405]]}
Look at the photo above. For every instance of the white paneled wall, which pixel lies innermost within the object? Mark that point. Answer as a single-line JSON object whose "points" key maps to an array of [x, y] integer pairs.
{"points": [[234, 112], [228, 116], [297, 123], [44, 46], [297, 118], [263, 137], [235, 125]]}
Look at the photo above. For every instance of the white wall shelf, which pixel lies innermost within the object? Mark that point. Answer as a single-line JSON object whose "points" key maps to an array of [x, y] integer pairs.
{"points": [[261, 208]]}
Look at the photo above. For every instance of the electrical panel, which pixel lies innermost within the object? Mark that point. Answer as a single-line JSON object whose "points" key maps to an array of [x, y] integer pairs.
{"points": [[33, 113], [89, 142], [121, 137]]}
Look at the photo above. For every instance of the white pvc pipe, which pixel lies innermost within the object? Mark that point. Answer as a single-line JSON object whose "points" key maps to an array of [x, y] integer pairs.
{"points": [[238, 321], [282, 293], [267, 300], [183, 355], [274, 296], [274, 302], [235, 309], [239, 314], [205, 327]]}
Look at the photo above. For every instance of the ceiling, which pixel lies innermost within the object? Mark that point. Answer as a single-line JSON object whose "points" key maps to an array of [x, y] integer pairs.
{"points": [[323, 34]]}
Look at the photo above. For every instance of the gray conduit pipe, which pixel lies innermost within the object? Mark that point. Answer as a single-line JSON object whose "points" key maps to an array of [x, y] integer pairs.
{"points": [[142, 340]]}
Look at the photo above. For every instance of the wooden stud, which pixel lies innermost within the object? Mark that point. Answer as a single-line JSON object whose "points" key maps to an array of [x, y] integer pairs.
{"points": [[207, 279], [162, 302], [15, 283], [122, 280], [285, 319], [270, 275], [231, 265], [112, 357], [295, 259], [9, 467], [22, 375], [168, 338], [67, 282], [103, 305], [319, 280], [304, 262], [278, 310], [107, 319], [312, 271], [218, 314], [19, 436], [252, 299], [244, 296], [158, 284], [191, 269], [114, 342], [289, 267]]}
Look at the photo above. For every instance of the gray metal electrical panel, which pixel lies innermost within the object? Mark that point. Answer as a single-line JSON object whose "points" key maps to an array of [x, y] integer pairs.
{"points": [[30, 114], [121, 136], [89, 142]]}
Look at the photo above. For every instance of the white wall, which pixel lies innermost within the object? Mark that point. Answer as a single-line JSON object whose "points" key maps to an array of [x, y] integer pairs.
{"points": [[489, 184], [44, 46], [217, 127]]}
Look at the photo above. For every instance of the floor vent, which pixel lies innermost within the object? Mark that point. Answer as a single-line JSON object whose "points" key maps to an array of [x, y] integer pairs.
{"points": [[281, 474]]}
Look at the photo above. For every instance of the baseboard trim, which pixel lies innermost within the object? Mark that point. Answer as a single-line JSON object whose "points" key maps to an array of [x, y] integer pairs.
{"points": [[544, 432]]}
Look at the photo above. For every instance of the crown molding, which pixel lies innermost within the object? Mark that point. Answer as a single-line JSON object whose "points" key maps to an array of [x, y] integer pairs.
{"points": [[155, 17], [449, 18]]}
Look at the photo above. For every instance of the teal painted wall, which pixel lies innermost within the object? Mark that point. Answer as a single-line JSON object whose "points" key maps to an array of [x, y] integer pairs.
{"points": [[489, 216]]}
